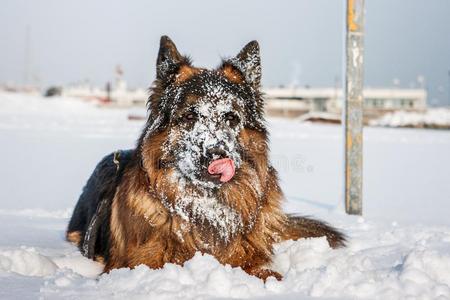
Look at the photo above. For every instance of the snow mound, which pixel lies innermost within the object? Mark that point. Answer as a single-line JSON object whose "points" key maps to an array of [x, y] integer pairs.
{"points": [[422, 267], [201, 277], [432, 118], [394, 264], [26, 262], [79, 264]]}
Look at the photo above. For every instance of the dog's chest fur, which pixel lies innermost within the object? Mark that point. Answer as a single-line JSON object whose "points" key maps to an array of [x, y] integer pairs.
{"points": [[143, 230]]}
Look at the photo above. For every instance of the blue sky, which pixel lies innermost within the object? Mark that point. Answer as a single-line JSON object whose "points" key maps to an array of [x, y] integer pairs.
{"points": [[301, 41]]}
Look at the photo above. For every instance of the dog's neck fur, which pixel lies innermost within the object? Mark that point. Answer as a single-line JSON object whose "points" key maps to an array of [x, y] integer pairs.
{"points": [[227, 211], [150, 218]]}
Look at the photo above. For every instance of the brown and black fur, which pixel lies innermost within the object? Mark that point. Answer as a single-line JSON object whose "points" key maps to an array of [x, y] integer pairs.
{"points": [[139, 221]]}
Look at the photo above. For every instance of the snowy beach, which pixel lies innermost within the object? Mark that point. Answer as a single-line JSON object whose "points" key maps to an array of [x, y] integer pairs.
{"points": [[399, 249]]}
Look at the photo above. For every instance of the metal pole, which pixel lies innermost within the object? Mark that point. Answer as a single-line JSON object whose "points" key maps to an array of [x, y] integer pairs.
{"points": [[353, 106]]}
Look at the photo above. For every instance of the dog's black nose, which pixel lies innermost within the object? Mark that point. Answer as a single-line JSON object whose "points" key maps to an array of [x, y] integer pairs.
{"points": [[215, 153]]}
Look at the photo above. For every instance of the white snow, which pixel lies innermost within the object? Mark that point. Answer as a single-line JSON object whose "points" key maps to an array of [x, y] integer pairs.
{"points": [[400, 249], [26, 262], [434, 117]]}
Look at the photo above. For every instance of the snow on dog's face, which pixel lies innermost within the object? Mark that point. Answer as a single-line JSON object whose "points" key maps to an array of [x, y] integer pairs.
{"points": [[204, 130], [204, 147]]}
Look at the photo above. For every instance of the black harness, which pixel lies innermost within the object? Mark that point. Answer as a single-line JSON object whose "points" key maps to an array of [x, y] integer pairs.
{"points": [[101, 213]]}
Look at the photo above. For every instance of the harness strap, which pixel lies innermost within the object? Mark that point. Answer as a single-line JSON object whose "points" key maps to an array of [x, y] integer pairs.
{"points": [[88, 248], [116, 160], [90, 237]]}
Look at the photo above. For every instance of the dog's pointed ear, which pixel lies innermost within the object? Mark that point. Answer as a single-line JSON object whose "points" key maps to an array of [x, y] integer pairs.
{"points": [[248, 62], [169, 59]]}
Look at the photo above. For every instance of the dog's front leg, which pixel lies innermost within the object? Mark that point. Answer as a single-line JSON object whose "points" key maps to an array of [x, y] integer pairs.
{"points": [[263, 273]]}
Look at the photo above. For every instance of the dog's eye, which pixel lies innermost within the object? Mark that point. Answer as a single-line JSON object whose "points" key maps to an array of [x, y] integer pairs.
{"points": [[190, 116], [232, 118]]}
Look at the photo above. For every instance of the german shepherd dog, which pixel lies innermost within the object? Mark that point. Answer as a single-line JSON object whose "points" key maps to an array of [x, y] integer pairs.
{"points": [[199, 178]]}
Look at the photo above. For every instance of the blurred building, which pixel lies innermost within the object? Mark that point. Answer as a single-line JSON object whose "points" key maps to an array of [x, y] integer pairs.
{"points": [[295, 102], [324, 104], [117, 94]]}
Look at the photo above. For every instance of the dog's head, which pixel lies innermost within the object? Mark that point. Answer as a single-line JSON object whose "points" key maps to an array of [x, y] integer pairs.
{"points": [[205, 137]]}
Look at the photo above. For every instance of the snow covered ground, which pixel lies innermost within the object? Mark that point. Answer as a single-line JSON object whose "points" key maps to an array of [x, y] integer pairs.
{"points": [[399, 250], [432, 118]]}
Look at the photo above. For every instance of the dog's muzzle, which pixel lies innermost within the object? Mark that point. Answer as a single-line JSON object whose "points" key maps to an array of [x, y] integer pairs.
{"points": [[220, 168]]}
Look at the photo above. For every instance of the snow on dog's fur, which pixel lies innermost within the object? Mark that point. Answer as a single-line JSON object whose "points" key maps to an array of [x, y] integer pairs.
{"points": [[199, 178]]}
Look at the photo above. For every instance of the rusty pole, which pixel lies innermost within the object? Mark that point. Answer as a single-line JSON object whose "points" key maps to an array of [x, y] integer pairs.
{"points": [[353, 106]]}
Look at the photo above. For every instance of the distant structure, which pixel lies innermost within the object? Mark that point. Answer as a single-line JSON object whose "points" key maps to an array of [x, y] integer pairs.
{"points": [[295, 102], [321, 104], [118, 94]]}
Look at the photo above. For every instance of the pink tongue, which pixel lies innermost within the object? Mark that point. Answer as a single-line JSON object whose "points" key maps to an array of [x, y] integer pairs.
{"points": [[223, 166]]}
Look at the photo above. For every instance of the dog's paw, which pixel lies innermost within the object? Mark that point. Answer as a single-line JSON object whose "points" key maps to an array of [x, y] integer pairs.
{"points": [[74, 237], [264, 274]]}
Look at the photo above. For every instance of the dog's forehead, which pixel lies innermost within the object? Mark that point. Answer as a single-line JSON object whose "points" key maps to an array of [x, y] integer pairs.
{"points": [[211, 87], [210, 83]]}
